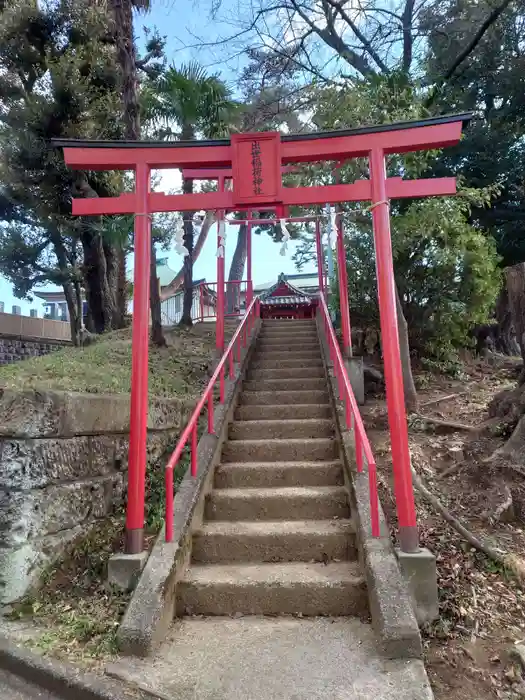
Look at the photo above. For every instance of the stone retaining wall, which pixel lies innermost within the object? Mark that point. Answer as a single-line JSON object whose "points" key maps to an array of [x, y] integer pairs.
{"points": [[13, 349], [63, 458]]}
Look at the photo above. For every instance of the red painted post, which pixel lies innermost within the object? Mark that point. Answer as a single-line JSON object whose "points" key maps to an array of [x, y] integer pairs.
{"points": [[193, 448], [168, 478], [219, 331], [221, 385], [404, 492], [358, 442], [232, 368], [138, 424], [343, 289], [249, 286], [319, 248], [210, 413]]}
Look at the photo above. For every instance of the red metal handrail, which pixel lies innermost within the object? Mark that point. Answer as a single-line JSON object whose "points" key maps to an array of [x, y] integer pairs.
{"points": [[241, 335], [354, 422]]}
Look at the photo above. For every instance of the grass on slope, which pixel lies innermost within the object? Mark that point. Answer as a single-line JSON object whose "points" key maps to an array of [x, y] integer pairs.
{"points": [[105, 366]]}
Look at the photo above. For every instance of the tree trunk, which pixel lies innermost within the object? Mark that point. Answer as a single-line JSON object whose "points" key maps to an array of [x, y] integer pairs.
{"points": [[70, 290], [187, 302], [411, 400], [122, 288], [112, 255], [126, 55], [515, 278], [507, 343], [72, 307], [100, 299], [157, 334], [237, 270]]}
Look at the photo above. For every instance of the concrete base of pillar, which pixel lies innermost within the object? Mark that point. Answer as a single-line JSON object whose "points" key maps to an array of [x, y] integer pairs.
{"points": [[354, 367], [419, 571], [124, 569]]}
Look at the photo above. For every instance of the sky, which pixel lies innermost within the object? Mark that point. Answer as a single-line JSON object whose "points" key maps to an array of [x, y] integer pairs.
{"points": [[188, 29]]}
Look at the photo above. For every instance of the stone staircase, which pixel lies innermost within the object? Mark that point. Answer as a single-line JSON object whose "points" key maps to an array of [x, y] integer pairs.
{"points": [[277, 536]]}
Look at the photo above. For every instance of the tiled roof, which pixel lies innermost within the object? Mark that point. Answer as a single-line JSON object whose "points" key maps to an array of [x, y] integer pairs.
{"points": [[286, 301]]}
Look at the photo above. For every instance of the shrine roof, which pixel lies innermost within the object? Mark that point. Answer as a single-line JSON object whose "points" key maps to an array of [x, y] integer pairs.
{"points": [[276, 291], [287, 300], [464, 117]]}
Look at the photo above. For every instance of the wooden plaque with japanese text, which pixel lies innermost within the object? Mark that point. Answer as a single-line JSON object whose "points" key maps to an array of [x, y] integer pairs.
{"points": [[256, 168]]}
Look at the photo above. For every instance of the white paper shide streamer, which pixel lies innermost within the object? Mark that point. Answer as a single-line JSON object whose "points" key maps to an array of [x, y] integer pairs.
{"points": [[332, 231], [286, 236], [222, 239], [180, 248]]}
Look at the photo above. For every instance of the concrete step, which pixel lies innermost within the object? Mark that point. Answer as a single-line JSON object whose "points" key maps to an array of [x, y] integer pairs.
{"points": [[284, 354], [272, 450], [281, 429], [270, 398], [285, 362], [280, 384], [283, 411], [289, 503], [294, 540], [273, 589], [286, 373], [276, 336], [237, 475], [302, 323], [285, 343]]}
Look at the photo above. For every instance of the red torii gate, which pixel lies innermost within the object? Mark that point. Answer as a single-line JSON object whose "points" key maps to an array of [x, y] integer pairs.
{"points": [[256, 160]]}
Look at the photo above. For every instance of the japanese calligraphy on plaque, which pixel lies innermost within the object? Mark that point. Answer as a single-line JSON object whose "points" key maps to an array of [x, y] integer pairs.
{"points": [[256, 168]]}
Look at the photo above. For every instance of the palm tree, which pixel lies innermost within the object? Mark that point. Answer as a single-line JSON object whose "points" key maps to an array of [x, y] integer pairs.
{"points": [[127, 59], [185, 103]]}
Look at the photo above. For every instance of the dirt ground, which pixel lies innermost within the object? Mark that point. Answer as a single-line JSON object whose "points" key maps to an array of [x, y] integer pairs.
{"points": [[469, 649]]}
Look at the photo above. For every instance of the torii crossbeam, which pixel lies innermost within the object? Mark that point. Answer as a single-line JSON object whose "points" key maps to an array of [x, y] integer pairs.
{"points": [[254, 163]]}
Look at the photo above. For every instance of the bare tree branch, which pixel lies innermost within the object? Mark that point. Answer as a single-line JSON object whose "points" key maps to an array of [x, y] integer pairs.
{"points": [[463, 55], [367, 45], [408, 41], [334, 40]]}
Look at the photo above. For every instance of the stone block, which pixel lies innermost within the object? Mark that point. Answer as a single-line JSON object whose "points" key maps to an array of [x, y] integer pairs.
{"points": [[21, 567], [28, 515], [32, 414], [29, 413], [419, 571], [124, 569], [28, 464], [356, 375]]}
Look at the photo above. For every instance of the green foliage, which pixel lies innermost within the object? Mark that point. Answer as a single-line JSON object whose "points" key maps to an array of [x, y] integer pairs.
{"points": [[185, 102], [491, 83], [446, 271], [445, 264], [57, 78]]}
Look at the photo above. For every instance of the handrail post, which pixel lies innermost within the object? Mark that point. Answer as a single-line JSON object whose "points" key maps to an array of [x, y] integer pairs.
{"points": [[194, 450], [210, 412], [221, 385]]}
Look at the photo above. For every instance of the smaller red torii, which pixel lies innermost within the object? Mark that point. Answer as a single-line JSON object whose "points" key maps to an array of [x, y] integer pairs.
{"points": [[256, 161]]}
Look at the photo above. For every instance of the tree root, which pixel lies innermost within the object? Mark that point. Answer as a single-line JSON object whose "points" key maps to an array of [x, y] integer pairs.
{"points": [[509, 561], [457, 466], [439, 399], [448, 424]]}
